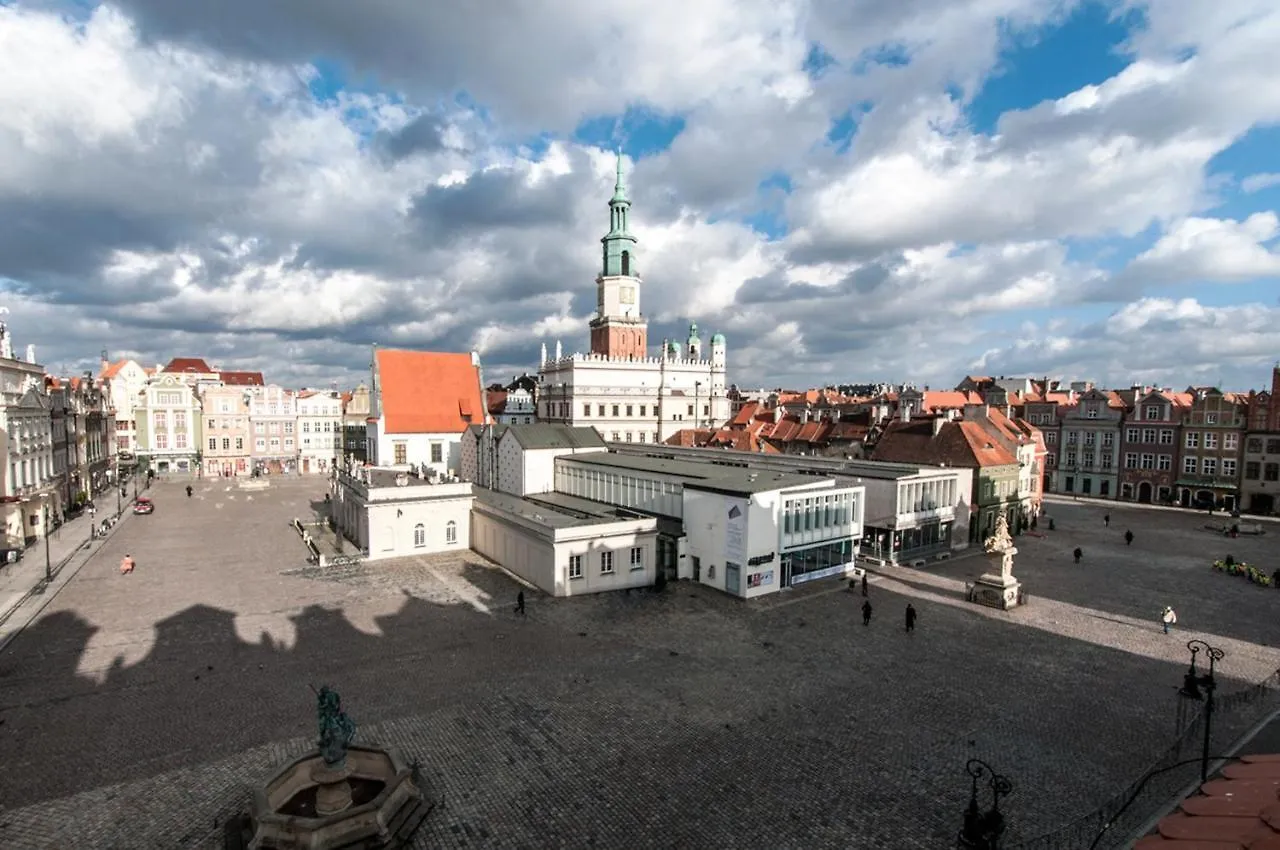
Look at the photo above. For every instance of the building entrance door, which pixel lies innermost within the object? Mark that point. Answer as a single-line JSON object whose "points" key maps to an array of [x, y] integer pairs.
{"points": [[697, 568], [784, 572], [1144, 492]]}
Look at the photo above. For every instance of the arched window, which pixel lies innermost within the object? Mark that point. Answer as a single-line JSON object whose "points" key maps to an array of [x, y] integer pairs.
{"points": [[451, 532], [419, 535], [626, 263]]}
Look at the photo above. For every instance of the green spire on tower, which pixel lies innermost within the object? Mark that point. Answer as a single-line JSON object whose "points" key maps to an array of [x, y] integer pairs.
{"points": [[619, 244], [620, 185]]}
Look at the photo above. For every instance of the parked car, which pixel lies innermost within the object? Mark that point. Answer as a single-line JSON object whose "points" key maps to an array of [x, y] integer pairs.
{"points": [[10, 556], [143, 505]]}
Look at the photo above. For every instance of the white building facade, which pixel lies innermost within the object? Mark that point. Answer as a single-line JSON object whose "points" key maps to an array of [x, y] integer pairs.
{"points": [[319, 430], [125, 381], [30, 487], [520, 459], [617, 387], [388, 513]]}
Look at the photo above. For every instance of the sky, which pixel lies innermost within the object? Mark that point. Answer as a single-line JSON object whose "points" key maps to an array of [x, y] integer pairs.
{"points": [[848, 190]]}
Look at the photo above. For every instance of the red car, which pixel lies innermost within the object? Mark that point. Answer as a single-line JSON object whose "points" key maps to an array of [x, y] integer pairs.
{"points": [[143, 505]]}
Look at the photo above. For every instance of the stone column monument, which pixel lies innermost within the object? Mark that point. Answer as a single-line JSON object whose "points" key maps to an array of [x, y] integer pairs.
{"points": [[997, 587]]}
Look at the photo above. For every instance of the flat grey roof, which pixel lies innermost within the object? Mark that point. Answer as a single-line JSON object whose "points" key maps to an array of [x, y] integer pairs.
{"points": [[825, 466], [553, 515], [699, 475], [550, 435]]}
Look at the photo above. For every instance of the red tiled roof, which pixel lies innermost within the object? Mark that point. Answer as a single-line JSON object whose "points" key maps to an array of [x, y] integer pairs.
{"points": [[985, 450], [742, 441], [956, 444], [1239, 810], [428, 392], [112, 369], [497, 400], [242, 379], [936, 400], [187, 364]]}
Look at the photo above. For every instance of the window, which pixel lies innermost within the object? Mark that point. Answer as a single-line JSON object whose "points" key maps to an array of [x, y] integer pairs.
{"points": [[288, 442], [1229, 467], [1130, 460], [1108, 439], [641, 435], [1190, 465], [226, 444], [643, 408], [1088, 460], [586, 412], [1131, 435], [162, 441], [1166, 436], [1193, 439], [629, 409], [606, 563], [1164, 463], [1050, 459], [239, 443], [628, 436], [655, 436], [1271, 472], [401, 450], [1090, 438], [161, 420], [614, 437], [1209, 465], [1210, 440], [691, 410], [450, 532], [1148, 461], [600, 410], [615, 410], [1254, 446], [1072, 436], [437, 453], [1230, 442], [260, 444], [419, 535], [179, 419], [1148, 435], [575, 566], [1273, 447], [1106, 460], [213, 444], [259, 427], [1253, 470], [637, 558], [1152, 411], [288, 427], [1050, 438], [306, 427], [1092, 412], [1071, 459], [1211, 419]]}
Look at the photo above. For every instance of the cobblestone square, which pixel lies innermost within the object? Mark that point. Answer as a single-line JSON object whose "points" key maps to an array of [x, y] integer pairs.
{"points": [[138, 710]]}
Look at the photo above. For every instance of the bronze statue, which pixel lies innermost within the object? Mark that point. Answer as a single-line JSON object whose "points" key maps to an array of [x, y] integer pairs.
{"points": [[336, 728]]}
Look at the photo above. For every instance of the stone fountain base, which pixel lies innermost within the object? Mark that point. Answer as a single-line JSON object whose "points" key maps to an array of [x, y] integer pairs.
{"points": [[373, 801]]}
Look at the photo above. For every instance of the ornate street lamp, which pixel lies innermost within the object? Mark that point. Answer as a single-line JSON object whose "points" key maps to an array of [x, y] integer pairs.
{"points": [[982, 830], [1192, 683]]}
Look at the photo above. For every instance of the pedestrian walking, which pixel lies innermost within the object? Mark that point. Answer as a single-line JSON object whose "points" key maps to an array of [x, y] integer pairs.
{"points": [[1106, 520], [189, 492], [126, 565], [866, 613], [1078, 553], [1128, 538], [1168, 619], [864, 583], [911, 618], [520, 603]]}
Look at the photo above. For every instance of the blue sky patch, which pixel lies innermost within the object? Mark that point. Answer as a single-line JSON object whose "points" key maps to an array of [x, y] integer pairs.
{"points": [[640, 131]]}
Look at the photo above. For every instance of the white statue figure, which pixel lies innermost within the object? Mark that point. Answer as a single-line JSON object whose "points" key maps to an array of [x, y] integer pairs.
{"points": [[1001, 543]]}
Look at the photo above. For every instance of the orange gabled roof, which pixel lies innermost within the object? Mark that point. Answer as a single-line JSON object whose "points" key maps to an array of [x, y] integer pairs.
{"points": [[242, 379], [985, 450], [1240, 808], [111, 370], [935, 400], [188, 364], [428, 392]]}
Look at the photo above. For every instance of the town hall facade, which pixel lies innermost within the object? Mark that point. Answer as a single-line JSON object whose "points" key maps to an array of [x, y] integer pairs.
{"points": [[617, 387]]}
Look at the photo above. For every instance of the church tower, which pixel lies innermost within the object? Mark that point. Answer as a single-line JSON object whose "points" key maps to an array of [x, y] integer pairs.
{"points": [[619, 329]]}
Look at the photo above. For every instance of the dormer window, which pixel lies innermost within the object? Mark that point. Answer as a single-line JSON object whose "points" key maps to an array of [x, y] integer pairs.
{"points": [[1153, 411]]}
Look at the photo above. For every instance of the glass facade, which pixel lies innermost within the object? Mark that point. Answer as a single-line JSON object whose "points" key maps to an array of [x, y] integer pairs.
{"points": [[817, 561]]}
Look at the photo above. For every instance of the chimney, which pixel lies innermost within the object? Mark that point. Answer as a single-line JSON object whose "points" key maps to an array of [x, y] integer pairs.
{"points": [[904, 412], [31, 353]]}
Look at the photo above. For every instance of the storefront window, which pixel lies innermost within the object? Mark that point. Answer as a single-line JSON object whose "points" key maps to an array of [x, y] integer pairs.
{"points": [[819, 560]]}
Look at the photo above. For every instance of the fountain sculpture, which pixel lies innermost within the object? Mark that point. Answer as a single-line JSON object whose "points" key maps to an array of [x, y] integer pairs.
{"points": [[997, 587], [340, 795]]}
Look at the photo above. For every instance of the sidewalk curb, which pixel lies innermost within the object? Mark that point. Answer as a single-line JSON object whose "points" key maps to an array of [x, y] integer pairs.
{"points": [[1063, 499], [61, 577]]}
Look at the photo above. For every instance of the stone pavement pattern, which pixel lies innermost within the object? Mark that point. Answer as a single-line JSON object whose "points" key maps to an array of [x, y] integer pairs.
{"points": [[137, 710]]}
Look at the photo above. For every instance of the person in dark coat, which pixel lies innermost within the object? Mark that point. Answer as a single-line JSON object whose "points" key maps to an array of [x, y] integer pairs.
{"points": [[1079, 553], [864, 584], [911, 618], [1128, 538], [1106, 520], [520, 603], [866, 613], [188, 491]]}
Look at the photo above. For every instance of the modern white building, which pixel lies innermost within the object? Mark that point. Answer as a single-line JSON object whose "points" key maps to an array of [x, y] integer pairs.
{"points": [[913, 513], [565, 546], [30, 486], [421, 402], [618, 387], [745, 532], [319, 430], [520, 459], [390, 513]]}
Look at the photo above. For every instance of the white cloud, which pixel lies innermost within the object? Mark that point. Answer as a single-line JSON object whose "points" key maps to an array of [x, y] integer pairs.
{"points": [[1211, 249], [1258, 182]]}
